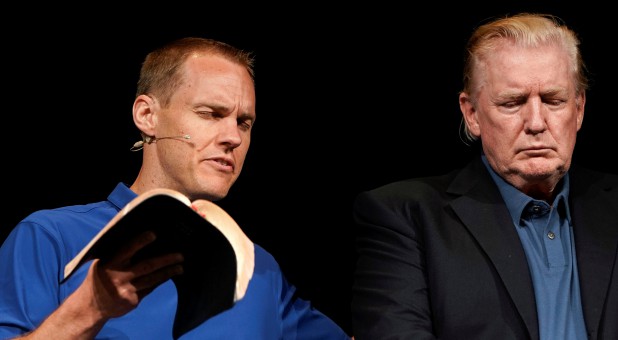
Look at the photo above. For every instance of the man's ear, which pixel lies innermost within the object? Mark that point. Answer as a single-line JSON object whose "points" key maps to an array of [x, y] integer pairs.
{"points": [[144, 117], [469, 114], [581, 104]]}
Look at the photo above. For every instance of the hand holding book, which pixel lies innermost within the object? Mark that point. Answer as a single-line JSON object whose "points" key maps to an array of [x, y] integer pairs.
{"points": [[219, 258]]}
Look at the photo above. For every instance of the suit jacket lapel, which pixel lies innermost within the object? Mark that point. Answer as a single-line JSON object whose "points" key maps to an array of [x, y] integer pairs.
{"points": [[596, 239], [483, 212]]}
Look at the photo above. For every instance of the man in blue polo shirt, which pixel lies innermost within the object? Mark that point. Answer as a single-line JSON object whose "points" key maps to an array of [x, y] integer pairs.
{"points": [[195, 108]]}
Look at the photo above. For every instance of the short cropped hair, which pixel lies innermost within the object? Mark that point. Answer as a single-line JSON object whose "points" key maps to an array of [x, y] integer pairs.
{"points": [[160, 72]]}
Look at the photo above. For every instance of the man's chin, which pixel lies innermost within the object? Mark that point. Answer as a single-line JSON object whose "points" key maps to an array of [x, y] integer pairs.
{"points": [[538, 171], [212, 193]]}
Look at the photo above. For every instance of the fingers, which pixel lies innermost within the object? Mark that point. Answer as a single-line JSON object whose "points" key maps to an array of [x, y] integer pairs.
{"points": [[152, 272], [121, 284], [127, 251]]}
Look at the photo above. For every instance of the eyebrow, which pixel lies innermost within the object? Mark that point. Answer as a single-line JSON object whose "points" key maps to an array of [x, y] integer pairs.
{"points": [[246, 116], [515, 94]]}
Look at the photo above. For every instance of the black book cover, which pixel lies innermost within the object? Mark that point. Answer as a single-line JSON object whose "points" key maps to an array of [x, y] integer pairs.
{"points": [[209, 281]]}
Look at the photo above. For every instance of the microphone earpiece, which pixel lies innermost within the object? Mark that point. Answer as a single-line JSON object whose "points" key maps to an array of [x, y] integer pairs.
{"points": [[152, 139]]}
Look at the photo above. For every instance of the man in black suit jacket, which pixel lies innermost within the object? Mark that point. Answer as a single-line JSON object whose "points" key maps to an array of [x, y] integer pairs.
{"points": [[517, 245]]}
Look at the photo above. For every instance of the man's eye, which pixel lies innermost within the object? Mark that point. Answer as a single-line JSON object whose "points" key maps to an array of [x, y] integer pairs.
{"points": [[511, 104], [204, 113], [555, 102], [245, 124]]}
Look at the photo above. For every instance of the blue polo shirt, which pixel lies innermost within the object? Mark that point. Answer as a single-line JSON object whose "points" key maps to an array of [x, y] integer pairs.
{"points": [[32, 261], [547, 238]]}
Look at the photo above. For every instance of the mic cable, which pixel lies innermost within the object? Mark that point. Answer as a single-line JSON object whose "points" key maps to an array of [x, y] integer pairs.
{"points": [[152, 139]]}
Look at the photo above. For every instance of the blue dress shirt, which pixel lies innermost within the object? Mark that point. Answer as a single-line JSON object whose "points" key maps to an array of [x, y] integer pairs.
{"points": [[547, 238]]}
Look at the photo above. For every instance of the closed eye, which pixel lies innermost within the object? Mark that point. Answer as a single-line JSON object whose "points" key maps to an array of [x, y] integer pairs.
{"points": [[206, 114], [554, 102], [245, 123], [512, 105]]}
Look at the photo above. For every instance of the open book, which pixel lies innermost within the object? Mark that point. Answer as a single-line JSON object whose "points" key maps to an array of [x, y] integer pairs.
{"points": [[218, 256]]}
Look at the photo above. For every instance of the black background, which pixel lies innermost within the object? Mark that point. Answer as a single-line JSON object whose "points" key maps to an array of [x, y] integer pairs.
{"points": [[348, 98]]}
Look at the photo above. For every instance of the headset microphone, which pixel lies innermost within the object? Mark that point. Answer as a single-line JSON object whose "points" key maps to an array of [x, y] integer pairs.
{"points": [[152, 139]]}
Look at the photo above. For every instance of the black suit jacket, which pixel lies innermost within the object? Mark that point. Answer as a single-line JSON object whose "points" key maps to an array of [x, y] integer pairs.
{"points": [[439, 257]]}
